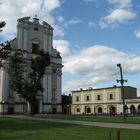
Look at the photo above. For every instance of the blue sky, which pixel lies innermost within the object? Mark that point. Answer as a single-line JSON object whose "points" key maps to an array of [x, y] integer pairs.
{"points": [[92, 36]]}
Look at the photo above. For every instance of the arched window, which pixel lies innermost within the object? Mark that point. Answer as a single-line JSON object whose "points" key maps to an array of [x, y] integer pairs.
{"points": [[88, 110], [35, 45], [132, 109], [77, 98], [87, 98], [98, 97], [100, 110], [110, 96], [78, 110]]}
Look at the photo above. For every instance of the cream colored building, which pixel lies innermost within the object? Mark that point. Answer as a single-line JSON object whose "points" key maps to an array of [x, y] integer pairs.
{"points": [[105, 101], [33, 36]]}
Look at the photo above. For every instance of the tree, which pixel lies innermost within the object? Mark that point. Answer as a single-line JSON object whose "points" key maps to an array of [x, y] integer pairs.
{"points": [[2, 24], [4, 47], [27, 84], [5, 50]]}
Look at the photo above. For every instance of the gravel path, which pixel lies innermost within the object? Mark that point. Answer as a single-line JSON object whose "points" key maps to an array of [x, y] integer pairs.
{"points": [[100, 124]]}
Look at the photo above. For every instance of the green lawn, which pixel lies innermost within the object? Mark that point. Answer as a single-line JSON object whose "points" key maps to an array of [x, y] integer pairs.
{"points": [[23, 129], [114, 119]]}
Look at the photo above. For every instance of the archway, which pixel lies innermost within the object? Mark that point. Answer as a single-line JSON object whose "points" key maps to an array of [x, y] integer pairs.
{"points": [[132, 109], [112, 110]]}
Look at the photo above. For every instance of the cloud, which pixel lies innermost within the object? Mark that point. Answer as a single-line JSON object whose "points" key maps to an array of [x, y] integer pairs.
{"points": [[116, 17], [121, 13], [87, 1], [63, 47], [120, 3], [137, 33], [97, 64], [72, 22], [11, 10], [92, 24]]}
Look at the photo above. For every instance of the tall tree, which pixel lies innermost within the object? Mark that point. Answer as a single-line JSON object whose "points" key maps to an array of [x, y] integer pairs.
{"points": [[27, 83]]}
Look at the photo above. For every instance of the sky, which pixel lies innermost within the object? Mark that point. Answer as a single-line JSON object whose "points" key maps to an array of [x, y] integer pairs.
{"points": [[93, 36]]}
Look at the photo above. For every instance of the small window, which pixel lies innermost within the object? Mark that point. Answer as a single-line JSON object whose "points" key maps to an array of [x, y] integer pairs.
{"points": [[35, 48], [78, 110], [87, 98], [35, 28], [54, 71], [98, 97], [77, 98], [110, 96]]}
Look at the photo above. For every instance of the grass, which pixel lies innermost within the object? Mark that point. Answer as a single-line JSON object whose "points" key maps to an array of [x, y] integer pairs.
{"points": [[23, 129], [114, 119]]}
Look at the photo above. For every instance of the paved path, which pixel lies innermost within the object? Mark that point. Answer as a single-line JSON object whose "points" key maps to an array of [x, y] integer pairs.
{"points": [[100, 124]]}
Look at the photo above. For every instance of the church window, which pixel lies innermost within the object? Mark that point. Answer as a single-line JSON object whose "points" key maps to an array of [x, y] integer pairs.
{"points": [[87, 98], [111, 96], [99, 110], [35, 48], [77, 98], [78, 110], [54, 71], [98, 97], [88, 110]]}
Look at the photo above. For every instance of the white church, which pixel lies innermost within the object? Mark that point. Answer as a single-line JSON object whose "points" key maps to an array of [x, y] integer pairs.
{"points": [[33, 36]]}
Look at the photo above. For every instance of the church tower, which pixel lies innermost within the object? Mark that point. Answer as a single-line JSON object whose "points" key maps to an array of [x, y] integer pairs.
{"points": [[33, 36]]}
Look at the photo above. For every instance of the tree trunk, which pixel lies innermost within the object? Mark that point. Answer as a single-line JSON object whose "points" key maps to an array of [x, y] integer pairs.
{"points": [[31, 108]]}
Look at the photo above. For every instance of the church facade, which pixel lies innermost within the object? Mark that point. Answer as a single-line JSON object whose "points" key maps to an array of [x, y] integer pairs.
{"points": [[33, 36], [105, 101]]}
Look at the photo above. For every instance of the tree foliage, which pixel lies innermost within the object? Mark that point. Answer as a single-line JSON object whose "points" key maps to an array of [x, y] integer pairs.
{"points": [[5, 50], [4, 47], [2, 24], [26, 75]]}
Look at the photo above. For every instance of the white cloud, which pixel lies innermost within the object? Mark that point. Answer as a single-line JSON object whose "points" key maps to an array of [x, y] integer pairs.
{"points": [[72, 22], [121, 3], [92, 24], [121, 13], [117, 16], [11, 10], [137, 33], [98, 64], [87, 1], [63, 47]]}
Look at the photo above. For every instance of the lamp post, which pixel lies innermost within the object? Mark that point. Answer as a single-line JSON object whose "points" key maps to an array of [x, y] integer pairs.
{"points": [[122, 90], [2, 102]]}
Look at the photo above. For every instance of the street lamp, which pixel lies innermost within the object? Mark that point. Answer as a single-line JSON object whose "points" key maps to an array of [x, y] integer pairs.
{"points": [[2, 102], [122, 90]]}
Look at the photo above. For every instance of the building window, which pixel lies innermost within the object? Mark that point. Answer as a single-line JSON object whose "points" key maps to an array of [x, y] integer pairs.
{"points": [[54, 71], [98, 97], [110, 96], [35, 48], [87, 98], [100, 110], [35, 28], [88, 110], [77, 98], [78, 110]]}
